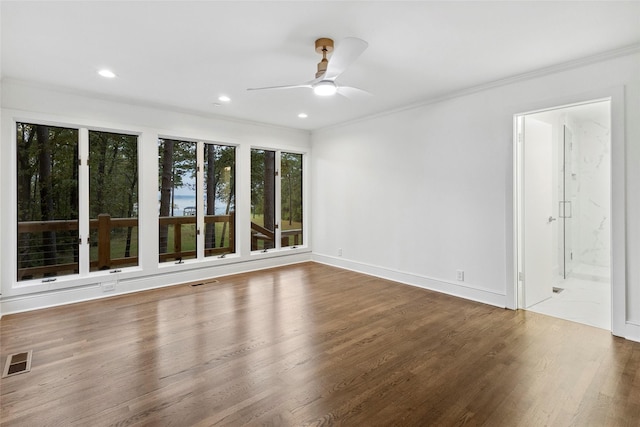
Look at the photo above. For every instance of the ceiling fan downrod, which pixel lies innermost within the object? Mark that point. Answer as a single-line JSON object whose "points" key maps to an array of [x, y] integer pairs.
{"points": [[323, 47]]}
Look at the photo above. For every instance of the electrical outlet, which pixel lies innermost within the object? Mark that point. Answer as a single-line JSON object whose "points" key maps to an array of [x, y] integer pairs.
{"points": [[339, 251], [108, 286], [460, 275]]}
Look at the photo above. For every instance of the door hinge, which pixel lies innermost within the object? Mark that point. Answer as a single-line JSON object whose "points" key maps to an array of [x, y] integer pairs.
{"points": [[277, 226], [277, 173], [520, 138], [520, 276]]}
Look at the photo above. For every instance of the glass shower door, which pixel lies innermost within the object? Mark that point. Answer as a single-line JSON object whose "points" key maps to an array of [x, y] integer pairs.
{"points": [[566, 208]]}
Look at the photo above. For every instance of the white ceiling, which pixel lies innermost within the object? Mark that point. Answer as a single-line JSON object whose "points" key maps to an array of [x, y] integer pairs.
{"points": [[185, 54]]}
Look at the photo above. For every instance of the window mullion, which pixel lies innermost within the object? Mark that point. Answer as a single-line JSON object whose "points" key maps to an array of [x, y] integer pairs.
{"points": [[200, 208], [278, 186], [83, 202]]}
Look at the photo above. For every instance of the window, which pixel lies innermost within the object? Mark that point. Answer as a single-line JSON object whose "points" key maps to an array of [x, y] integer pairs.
{"points": [[113, 200], [177, 200], [270, 201], [78, 198], [263, 199], [47, 201], [291, 199], [181, 187], [219, 199]]}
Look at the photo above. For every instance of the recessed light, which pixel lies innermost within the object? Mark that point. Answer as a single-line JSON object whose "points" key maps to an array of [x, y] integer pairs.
{"points": [[224, 98], [107, 73], [303, 115]]}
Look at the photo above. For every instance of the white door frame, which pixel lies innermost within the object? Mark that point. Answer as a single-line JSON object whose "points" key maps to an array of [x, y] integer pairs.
{"points": [[617, 194]]}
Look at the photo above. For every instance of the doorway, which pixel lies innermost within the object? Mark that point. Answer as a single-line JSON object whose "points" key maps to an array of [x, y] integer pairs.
{"points": [[564, 212]]}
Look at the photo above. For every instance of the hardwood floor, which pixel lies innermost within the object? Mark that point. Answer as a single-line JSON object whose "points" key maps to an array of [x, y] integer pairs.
{"points": [[312, 345]]}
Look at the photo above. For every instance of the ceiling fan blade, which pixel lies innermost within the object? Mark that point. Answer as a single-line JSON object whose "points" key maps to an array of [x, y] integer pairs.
{"points": [[353, 92], [308, 84], [345, 53], [279, 87]]}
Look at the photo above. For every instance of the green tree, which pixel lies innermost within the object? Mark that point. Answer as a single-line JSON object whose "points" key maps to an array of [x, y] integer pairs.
{"points": [[291, 187], [113, 184], [177, 168], [47, 189], [166, 188], [211, 178], [263, 189], [225, 182]]}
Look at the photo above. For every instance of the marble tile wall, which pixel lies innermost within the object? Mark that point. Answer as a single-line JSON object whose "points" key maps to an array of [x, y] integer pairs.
{"points": [[591, 197]]}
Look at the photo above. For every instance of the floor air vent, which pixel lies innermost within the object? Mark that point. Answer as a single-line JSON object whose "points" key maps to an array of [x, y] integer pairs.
{"points": [[17, 363], [557, 290], [208, 282]]}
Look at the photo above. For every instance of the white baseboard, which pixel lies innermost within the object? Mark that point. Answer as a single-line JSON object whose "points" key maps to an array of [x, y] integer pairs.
{"points": [[28, 302], [52, 298], [469, 292], [632, 331]]}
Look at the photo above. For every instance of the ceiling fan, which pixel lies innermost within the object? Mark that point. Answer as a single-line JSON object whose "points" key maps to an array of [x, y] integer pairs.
{"points": [[348, 50]]}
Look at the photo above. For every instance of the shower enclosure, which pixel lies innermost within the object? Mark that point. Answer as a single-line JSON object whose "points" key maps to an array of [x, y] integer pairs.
{"points": [[565, 205], [563, 202]]}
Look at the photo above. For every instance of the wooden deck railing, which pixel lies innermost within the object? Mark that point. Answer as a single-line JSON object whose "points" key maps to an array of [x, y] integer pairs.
{"points": [[104, 225], [259, 233], [179, 221]]}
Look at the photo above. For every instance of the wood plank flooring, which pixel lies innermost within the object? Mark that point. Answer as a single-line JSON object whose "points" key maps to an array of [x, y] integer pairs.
{"points": [[312, 345]]}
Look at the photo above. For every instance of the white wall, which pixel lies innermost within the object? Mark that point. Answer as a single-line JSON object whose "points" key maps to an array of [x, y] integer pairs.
{"points": [[401, 193], [415, 195], [1, 146], [31, 103]]}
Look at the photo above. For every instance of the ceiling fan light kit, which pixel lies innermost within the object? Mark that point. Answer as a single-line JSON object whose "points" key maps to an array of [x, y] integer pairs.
{"points": [[348, 50], [325, 88]]}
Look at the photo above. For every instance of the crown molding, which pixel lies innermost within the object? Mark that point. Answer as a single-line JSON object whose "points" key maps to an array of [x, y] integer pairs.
{"points": [[541, 72], [143, 104]]}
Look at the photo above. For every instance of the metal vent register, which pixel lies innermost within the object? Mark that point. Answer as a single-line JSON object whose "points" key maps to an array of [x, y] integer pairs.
{"points": [[204, 283], [17, 363]]}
